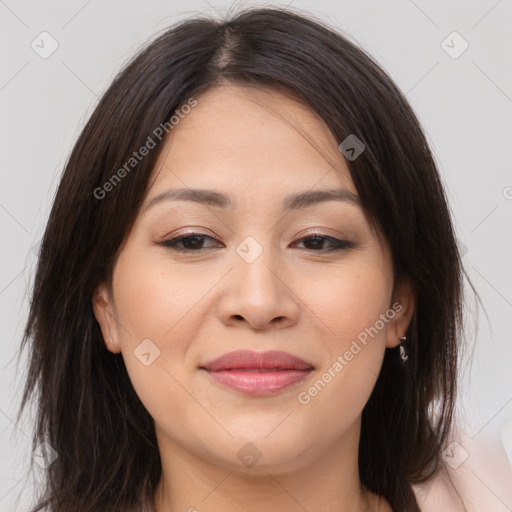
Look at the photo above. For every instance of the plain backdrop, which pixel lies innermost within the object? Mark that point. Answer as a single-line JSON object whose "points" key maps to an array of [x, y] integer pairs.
{"points": [[463, 99]]}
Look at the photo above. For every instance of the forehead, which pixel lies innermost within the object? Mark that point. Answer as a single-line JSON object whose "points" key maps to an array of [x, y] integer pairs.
{"points": [[244, 136]]}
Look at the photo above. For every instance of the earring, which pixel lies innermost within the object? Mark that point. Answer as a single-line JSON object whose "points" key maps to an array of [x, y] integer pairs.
{"points": [[403, 353]]}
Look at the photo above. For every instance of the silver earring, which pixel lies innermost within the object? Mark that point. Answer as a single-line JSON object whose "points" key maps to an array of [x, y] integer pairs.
{"points": [[403, 353]]}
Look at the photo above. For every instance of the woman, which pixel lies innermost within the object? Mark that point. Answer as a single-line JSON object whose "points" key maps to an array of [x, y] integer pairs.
{"points": [[248, 294]]}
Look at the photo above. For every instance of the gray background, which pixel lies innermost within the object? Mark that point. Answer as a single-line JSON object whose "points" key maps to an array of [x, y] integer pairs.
{"points": [[464, 104]]}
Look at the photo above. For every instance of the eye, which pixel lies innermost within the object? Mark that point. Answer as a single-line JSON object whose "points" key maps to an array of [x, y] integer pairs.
{"points": [[317, 240], [191, 242]]}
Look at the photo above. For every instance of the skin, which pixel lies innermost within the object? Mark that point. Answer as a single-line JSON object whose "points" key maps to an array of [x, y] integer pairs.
{"points": [[256, 146]]}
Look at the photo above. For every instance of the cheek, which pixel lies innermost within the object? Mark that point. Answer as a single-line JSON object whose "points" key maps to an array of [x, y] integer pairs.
{"points": [[155, 300], [351, 305], [155, 305], [352, 300]]}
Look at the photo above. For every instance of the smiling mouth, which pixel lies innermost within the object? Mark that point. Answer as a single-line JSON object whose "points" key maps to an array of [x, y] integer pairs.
{"points": [[257, 373]]}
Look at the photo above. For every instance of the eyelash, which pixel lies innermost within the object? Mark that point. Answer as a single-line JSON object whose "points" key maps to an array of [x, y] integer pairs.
{"points": [[172, 244]]}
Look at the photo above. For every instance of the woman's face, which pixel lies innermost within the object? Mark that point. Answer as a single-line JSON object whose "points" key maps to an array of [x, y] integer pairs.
{"points": [[262, 273]]}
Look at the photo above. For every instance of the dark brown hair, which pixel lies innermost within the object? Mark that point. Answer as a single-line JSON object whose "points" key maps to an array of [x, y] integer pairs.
{"points": [[87, 409]]}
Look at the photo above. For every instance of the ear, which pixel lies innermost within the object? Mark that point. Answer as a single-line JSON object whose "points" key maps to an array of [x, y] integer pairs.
{"points": [[403, 302], [104, 312]]}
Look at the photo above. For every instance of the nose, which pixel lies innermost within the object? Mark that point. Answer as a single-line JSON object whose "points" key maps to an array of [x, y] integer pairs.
{"points": [[258, 296]]}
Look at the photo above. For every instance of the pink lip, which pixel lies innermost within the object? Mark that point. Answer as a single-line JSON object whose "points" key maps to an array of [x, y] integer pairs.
{"points": [[258, 373]]}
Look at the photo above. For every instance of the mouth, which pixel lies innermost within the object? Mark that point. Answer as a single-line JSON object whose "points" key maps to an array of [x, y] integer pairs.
{"points": [[258, 373]]}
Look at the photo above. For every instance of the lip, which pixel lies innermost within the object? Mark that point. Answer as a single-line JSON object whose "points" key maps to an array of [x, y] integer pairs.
{"points": [[258, 373]]}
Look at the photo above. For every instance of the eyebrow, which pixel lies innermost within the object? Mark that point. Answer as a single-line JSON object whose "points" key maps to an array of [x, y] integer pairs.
{"points": [[291, 202]]}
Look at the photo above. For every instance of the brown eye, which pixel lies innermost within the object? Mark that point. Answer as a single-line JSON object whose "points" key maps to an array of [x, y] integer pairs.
{"points": [[316, 242], [191, 242]]}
